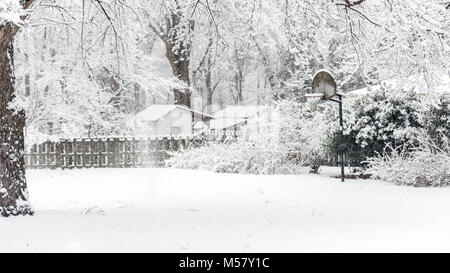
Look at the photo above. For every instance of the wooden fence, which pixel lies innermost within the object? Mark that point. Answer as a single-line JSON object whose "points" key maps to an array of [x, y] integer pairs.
{"points": [[112, 152]]}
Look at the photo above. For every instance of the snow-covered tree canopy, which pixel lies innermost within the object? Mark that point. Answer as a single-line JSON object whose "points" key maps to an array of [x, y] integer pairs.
{"points": [[406, 40], [82, 68], [10, 12], [106, 60]]}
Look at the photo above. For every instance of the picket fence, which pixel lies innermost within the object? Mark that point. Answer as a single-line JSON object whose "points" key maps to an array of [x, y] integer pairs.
{"points": [[113, 152]]}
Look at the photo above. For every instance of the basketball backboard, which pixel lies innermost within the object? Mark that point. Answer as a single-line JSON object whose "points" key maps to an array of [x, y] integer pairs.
{"points": [[323, 83]]}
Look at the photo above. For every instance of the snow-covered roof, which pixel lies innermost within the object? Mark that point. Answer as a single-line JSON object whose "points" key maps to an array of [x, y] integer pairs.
{"points": [[156, 111], [240, 112], [224, 123], [200, 125]]}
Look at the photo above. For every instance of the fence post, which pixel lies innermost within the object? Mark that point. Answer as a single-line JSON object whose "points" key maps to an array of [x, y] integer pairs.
{"points": [[57, 155], [152, 152], [76, 153], [127, 149], [102, 153], [133, 159]]}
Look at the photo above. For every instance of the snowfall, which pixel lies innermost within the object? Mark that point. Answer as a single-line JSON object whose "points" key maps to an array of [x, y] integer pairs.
{"points": [[171, 210]]}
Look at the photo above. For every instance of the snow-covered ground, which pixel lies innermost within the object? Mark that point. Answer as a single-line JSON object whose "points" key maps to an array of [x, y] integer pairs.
{"points": [[165, 210]]}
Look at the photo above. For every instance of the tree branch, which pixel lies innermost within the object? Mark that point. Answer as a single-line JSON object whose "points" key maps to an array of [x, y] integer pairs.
{"points": [[159, 32], [202, 62], [349, 3]]}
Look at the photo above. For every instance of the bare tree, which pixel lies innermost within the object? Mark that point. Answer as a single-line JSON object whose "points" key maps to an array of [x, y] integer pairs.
{"points": [[205, 68]]}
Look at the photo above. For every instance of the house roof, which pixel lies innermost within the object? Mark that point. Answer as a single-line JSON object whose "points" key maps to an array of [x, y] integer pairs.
{"points": [[200, 125], [156, 111], [239, 112]]}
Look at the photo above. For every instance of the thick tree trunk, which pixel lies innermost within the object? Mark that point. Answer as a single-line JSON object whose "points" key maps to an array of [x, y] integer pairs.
{"points": [[13, 187], [179, 62], [183, 96], [178, 52]]}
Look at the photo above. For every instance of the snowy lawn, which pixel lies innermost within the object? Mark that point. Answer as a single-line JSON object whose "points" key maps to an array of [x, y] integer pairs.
{"points": [[169, 210]]}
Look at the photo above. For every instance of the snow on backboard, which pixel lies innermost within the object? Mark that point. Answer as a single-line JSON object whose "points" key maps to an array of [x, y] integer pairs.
{"points": [[324, 83]]}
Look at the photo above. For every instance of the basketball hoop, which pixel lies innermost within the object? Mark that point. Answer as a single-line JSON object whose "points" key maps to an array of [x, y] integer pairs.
{"points": [[314, 100], [324, 88]]}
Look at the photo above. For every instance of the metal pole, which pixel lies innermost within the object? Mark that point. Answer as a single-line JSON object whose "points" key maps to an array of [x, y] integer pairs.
{"points": [[341, 137]]}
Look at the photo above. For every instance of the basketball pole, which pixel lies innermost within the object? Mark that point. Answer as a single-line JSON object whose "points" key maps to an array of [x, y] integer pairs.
{"points": [[324, 86], [341, 135]]}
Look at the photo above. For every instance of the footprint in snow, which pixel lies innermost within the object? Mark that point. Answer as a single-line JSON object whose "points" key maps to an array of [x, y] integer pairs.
{"points": [[186, 246], [122, 204], [95, 210]]}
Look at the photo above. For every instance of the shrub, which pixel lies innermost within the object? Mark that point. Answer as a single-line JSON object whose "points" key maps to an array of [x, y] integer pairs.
{"points": [[289, 140], [379, 119], [436, 119], [303, 132], [241, 156], [427, 164]]}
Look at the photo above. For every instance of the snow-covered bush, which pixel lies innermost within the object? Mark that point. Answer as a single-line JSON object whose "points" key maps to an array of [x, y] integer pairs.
{"points": [[304, 132], [436, 119], [282, 145], [427, 164], [241, 156], [251, 153], [380, 118]]}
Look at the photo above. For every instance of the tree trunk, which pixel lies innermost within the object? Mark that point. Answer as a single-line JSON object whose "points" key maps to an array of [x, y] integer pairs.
{"points": [[208, 84], [178, 52], [267, 66], [182, 96], [209, 102], [239, 76], [13, 187], [180, 68]]}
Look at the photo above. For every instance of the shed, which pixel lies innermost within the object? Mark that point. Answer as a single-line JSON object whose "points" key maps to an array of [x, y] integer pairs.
{"points": [[167, 120]]}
